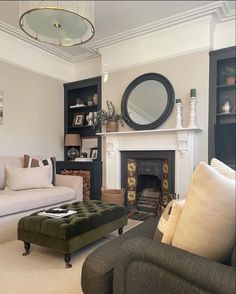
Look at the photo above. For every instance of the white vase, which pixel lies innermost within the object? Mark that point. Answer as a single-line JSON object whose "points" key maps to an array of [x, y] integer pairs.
{"points": [[95, 99], [226, 107], [89, 118]]}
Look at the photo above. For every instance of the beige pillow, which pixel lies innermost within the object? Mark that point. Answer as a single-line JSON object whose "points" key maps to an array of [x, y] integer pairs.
{"points": [[169, 220], [223, 169], [207, 224], [18, 178]]}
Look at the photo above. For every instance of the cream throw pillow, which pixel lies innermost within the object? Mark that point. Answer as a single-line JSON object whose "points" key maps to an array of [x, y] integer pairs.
{"points": [[207, 224], [18, 178], [223, 169], [35, 162], [169, 220]]}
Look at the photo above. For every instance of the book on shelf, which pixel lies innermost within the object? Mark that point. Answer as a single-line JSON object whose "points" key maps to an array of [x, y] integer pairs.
{"points": [[57, 212], [81, 105], [87, 159], [77, 105]]}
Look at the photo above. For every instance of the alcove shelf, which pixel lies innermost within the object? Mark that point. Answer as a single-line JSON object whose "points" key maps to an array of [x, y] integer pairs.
{"points": [[77, 99], [222, 107]]}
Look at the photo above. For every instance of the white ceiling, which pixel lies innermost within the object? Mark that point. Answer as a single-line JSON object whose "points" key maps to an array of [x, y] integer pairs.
{"points": [[113, 20]]}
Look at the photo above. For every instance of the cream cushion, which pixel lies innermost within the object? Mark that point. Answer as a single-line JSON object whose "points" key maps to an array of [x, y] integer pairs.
{"points": [[223, 169], [12, 202], [18, 178], [13, 161], [169, 220], [207, 223], [35, 162]]}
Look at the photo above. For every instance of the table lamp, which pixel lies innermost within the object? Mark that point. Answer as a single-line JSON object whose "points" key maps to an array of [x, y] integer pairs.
{"points": [[72, 140]]}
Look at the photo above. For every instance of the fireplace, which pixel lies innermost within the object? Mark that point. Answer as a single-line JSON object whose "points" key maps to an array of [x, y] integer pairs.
{"points": [[148, 192], [184, 143], [145, 175]]}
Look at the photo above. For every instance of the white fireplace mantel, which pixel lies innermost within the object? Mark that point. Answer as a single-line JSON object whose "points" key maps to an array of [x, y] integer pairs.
{"points": [[181, 140]]}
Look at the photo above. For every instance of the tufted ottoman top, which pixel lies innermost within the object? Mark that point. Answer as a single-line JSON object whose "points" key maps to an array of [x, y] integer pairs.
{"points": [[90, 214]]}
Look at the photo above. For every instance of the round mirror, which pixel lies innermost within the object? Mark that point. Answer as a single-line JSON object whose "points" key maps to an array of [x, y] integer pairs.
{"points": [[147, 101]]}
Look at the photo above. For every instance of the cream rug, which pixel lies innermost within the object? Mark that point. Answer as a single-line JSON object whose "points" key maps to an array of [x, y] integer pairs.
{"points": [[43, 271]]}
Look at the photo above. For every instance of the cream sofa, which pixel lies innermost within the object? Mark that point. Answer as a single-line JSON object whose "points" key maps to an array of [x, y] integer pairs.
{"points": [[16, 204]]}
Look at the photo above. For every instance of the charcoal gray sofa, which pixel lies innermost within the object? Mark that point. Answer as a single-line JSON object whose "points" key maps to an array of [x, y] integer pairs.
{"points": [[134, 263]]}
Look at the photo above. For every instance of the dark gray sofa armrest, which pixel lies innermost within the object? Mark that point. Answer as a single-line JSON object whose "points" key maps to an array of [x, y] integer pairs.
{"points": [[148, 266]]}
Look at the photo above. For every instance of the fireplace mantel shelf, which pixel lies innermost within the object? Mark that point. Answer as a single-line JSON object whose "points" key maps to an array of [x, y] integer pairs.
{"points": [[151, 131], [150, 138]]}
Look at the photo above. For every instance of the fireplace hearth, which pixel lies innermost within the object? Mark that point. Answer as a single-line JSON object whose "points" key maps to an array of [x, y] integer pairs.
{"points": [[145, 175]]}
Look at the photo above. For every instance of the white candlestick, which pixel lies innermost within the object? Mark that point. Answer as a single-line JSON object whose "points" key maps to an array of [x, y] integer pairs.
{"points": [[178, 115], [193, 115]]}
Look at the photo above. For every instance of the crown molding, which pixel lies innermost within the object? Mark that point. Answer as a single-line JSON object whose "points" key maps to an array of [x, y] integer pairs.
{"points": [[194, 36], [13, 31], [221, 11], [33, 58], [4, 27], [225, 13], [86, 56]]}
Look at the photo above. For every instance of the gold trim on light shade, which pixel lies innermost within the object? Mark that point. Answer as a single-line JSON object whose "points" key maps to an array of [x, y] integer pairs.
{"points": [[80, 21]]}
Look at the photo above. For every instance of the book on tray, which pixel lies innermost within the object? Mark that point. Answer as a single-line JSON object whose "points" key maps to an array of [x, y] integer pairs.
{"points": [[57, 212]]}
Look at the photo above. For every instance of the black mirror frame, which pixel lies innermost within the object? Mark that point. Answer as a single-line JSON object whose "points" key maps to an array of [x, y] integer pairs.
{"points": [[170, 101]]}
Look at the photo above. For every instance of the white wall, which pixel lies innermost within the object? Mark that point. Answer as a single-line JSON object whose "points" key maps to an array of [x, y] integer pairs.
{"points": [[32, 80], [180, 53], [184, 72], [87, 69], [33, 113]]}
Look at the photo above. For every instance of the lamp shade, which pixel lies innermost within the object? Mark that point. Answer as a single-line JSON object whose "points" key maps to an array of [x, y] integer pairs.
{"points": [[72, 140], [62, 23]]}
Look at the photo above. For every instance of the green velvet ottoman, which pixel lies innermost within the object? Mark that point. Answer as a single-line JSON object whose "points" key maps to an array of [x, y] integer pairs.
{"points": [[92, 221]]}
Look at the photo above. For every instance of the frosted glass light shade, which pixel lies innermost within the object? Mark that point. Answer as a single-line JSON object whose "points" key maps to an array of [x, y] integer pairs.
{"points": [[61, 23]]}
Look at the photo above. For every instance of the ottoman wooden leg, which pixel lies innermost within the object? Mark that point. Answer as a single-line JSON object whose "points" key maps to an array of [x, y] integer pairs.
{"points": [[67, 259], [120, 231], [27, 248]]}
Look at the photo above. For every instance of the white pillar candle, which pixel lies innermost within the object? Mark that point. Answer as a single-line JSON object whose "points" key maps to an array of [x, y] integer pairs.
{"points": [[178, 114]]}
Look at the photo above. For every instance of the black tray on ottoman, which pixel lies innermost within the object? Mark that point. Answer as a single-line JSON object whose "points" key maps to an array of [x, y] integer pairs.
{"points": [[93, 219]]}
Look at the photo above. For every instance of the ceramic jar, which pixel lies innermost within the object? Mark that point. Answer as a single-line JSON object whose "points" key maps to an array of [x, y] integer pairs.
{"points": [[112, 125]]}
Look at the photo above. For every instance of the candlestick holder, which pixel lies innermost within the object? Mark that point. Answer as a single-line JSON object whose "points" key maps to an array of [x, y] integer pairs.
{"points": [[193, 115], [178, 114]]}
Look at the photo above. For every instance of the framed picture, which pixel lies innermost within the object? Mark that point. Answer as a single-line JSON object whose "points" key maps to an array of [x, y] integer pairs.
{"points": [[88, 143], [94, 153], [78, 120]]}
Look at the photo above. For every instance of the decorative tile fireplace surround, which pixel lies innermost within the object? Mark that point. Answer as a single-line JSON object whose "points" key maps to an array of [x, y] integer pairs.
{"points": [[182, 141], [144, 176]]}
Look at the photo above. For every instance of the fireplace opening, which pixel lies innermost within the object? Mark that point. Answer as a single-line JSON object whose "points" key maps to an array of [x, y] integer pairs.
{"points": [[145, 175], [148, 193]]}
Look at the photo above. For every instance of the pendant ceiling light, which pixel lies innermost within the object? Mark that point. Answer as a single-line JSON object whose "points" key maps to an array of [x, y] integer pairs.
{"points": [[61, 23]]}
